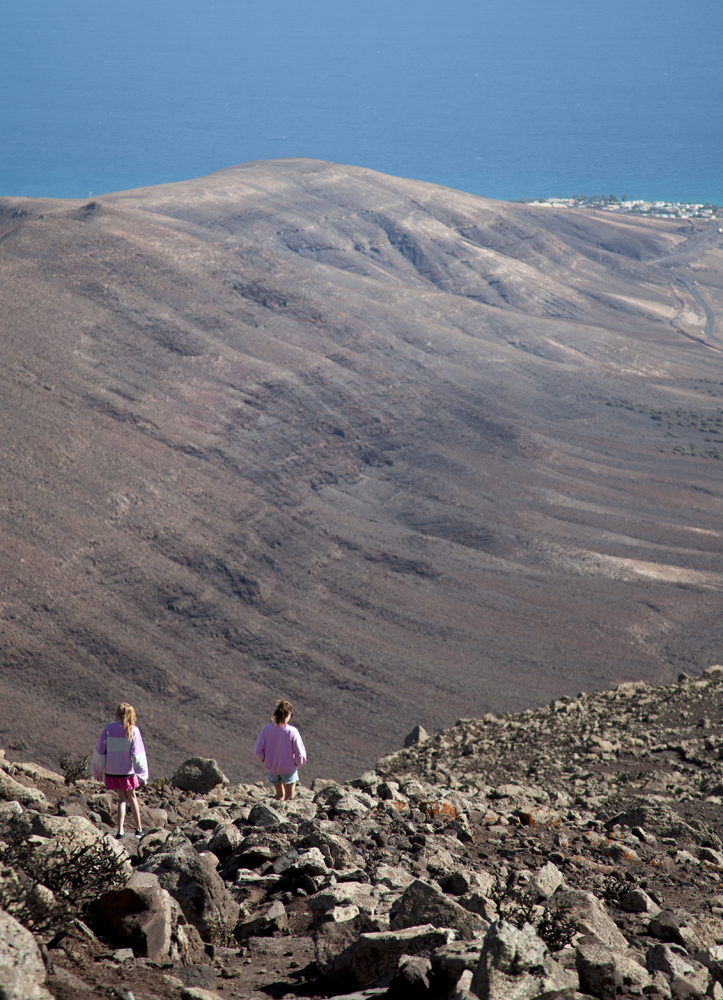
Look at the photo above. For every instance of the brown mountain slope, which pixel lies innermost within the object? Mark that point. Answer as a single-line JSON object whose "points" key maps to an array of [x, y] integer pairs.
{"points": [[381, 447]]}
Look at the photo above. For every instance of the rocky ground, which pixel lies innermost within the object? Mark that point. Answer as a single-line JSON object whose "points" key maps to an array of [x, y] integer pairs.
{"points": [[565, 852]]}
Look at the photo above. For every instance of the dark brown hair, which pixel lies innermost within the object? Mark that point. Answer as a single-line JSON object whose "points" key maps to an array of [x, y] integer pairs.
{"points": [[283, 712]]}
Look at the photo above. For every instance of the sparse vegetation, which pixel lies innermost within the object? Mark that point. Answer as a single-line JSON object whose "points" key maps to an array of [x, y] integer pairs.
{"points": [[686, 422], [556, 928], [45, 889], [74, 766], [518, 906]]}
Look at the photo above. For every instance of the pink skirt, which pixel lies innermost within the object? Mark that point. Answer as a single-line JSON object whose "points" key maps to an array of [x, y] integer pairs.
{"points": [[125, 783]]}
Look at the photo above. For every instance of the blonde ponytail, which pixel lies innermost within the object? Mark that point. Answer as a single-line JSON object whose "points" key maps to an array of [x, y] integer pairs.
{"points": [[127, 715]]}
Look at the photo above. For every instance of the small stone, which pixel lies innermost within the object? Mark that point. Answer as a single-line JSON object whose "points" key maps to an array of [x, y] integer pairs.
{"points": [[620, 852], [198, 993], [269, 919], [417, 735], [546, 881], [412, 977], [638, 901]]}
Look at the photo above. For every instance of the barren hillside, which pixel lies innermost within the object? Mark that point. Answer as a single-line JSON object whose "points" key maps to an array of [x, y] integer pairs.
{"points": [[398, 453]]}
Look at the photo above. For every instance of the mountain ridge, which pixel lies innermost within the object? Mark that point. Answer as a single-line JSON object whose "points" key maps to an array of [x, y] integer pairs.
{"points": [[385, 448]]}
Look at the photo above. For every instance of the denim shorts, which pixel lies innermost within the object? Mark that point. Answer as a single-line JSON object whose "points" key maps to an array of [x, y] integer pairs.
{"points": [[288, 779]]}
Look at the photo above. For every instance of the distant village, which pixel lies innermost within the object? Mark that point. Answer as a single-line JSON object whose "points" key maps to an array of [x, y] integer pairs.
{"points": [[609, 203]]}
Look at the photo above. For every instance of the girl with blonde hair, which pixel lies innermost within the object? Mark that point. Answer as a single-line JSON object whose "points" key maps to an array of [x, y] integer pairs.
{"points": [[120, 759]]}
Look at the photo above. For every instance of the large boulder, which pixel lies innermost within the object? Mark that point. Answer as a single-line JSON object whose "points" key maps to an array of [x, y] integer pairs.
{"points": [[22, 970], [8, 812], [638, 901], [296, 809], [452, 961], [257, 850], [680, 927], [422, 903], [70, 830], [375, 956], [25, 898], [516, 965], [673, 960], [343, 801], [411, 978], [144, 917], [712, 959], [664, 822], [200, 892], [13, 791], [394, 877], [309, 862], [417, 735], [200, 775], [546, 881]]}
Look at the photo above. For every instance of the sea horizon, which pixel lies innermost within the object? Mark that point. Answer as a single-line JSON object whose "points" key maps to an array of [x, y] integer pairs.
{"points": [[510, 103]]}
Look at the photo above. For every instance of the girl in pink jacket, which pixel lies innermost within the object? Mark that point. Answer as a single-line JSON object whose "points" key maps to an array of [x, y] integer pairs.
{"points": [[280, 748]]}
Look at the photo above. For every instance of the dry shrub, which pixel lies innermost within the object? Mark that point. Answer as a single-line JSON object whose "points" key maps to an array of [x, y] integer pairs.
{"points": [[517, 906], [74, 766], [49, 888]]}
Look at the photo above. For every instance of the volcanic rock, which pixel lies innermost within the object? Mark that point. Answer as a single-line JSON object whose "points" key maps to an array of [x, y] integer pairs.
{"points": [[422, 903], [197, 774], [515, 965], [197, 888], [22, 971]]}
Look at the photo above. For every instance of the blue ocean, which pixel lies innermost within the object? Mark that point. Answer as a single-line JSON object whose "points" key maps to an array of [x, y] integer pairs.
{"points": [[512, 99]]}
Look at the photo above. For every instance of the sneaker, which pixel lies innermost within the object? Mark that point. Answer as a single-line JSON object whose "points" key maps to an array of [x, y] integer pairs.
{"points": [[119, 836], [139, 834]]}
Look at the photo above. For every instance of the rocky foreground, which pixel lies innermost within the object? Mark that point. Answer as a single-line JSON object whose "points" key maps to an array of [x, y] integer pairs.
{"points": [[566, 852]]}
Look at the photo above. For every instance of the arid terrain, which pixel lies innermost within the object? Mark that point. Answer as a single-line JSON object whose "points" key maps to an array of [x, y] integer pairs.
{"points": [[395, 452], [568, 852]]}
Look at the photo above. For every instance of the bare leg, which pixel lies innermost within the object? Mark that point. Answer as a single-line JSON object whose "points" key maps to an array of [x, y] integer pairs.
{"points": [[289, 790], [135, 808], [279, 789], [121, 810]]}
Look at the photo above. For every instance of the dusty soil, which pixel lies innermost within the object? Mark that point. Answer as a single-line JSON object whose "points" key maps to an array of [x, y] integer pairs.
{"points": [[398, 453]]}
